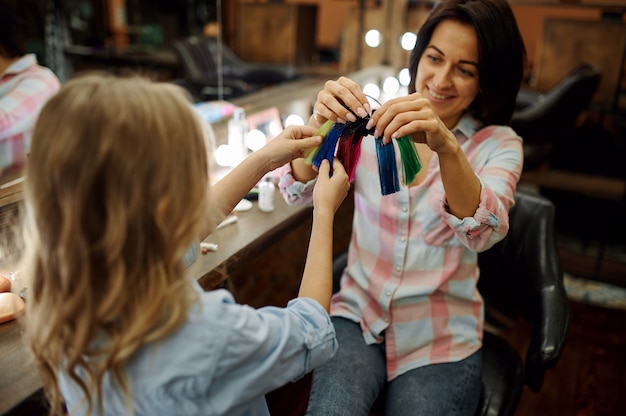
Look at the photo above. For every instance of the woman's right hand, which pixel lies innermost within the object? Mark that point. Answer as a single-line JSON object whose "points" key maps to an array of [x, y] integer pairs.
{"points": [[330, 190], [332, 101]]}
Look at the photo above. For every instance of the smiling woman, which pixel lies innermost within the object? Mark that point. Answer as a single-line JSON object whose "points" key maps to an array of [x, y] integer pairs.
{"points": [[408, 314]]}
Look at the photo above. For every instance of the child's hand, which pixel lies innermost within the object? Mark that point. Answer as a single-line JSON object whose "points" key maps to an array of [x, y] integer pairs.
{"points": [[330, 191], [290, 144]]}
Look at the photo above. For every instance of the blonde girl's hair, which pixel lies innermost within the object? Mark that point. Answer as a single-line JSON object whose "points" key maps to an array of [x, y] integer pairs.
{"points": [[116, 191]]}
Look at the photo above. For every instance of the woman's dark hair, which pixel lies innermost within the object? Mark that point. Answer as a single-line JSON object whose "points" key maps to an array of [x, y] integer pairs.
{"points": [[12, 39], [501, 53]]}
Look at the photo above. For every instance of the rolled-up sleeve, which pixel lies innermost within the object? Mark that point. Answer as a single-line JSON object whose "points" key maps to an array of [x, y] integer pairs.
{"points": [[488, 225], [498, 165], [268, 347], [293, 191]]}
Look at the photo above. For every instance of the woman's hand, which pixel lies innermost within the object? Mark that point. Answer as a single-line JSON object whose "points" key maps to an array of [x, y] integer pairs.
{"points": [[412, 115], [332, 101], [291, 144]]}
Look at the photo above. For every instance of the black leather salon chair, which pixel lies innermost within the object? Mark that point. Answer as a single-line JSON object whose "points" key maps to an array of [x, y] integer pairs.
{"points": [[542, 119], [520, 280], [199, 55]]}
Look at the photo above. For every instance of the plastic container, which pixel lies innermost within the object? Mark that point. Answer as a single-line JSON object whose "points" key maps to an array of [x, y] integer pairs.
{"points": [[237, 129], [266, 195]]}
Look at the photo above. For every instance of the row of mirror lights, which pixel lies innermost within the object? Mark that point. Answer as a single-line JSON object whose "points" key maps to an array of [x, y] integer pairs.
{"points": [[373, 39], [242, 140]]}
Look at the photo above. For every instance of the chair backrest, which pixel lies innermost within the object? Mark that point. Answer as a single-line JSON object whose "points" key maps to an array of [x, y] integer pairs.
{"points": [[200, 56], [521, 276], [555, 114], [198, 61]]}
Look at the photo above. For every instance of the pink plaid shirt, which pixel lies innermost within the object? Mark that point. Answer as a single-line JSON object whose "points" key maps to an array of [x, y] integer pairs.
{"points": [[412, 266], [24, 88]]}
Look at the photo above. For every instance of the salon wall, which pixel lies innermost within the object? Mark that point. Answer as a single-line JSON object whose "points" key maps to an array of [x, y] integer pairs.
{"points": [[530, 20], [331, 15]]}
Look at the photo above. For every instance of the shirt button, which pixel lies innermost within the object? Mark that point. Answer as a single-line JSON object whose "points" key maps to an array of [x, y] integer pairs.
{"points": [[405, 209], [386, 319], [403, 239], [309, 340], [398, 269], [388, 293]]}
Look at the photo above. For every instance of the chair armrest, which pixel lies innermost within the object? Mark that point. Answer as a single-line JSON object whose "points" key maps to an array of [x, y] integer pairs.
{"points": [[527, 97], [549, 333], [340, 261]]}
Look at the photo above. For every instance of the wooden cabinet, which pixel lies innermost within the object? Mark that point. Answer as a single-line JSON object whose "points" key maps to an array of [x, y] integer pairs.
{"points": [[277, 33]]}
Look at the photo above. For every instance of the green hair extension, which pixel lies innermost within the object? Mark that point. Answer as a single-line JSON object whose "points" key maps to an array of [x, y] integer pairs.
{"points": [[321, 131], [410, 161]]}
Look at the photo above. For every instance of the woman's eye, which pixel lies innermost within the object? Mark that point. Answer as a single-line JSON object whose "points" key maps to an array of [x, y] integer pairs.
{"points": [[466, 72], [433, 58]]}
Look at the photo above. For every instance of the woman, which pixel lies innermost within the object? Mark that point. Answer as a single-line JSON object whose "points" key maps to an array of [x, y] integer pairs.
{"points": [[408, 315]]}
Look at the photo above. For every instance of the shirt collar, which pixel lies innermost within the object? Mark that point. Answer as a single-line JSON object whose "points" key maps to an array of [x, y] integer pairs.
{"points": [[466, 127], [22, 64]]}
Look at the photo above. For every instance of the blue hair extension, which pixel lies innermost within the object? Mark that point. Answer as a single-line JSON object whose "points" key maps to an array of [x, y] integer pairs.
{"points": [[327, 147], [387, 168], [321, 131]]}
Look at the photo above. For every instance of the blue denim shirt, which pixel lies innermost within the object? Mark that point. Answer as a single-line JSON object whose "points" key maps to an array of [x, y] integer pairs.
{"points": [[222, 361]]}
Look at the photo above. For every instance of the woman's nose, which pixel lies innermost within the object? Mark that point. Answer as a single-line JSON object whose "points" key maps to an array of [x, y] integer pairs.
{"points": [[442, 78]]}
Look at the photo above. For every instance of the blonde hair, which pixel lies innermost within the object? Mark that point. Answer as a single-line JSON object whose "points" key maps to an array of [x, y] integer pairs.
{"points": [[116, 191]]}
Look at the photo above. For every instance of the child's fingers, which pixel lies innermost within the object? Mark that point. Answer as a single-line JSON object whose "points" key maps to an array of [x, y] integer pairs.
{"points": [[324, 169], [309, 142], [338, 168], [300, 132]]}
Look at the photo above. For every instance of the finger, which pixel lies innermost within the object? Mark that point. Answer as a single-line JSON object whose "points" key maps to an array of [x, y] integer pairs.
{"points": [[329, 105], [344, 98], [357, 101], [340, 174], [321, 113], [300, 132], [338, 169], [387, 111], [381, 117], [400, 119], [324, 169], [307, 143]]}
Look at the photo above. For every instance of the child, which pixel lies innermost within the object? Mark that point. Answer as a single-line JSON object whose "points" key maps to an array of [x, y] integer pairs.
{"points": [[117, 189]]}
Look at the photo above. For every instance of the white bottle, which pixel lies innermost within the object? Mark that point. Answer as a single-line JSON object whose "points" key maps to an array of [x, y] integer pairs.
{"points": [[237, 129], [266, 195]]}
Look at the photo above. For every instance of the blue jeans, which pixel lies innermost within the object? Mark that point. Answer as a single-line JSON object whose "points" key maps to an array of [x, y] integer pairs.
{"points": [[350, 382]]}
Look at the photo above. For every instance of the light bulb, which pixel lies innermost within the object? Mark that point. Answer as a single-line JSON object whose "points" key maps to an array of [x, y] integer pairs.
{"points": [[255, 139], [391, 86], [372, 38], [404, 76], [408, 41], [294, 120], [372, 90]]}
